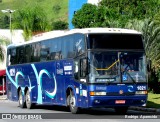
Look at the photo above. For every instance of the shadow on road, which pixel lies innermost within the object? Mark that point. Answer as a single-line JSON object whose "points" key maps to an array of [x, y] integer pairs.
{"points": [[93, 111]]}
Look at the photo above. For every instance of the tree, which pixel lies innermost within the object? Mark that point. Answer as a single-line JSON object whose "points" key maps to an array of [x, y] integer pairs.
{"points": [[2, 51], [60, 25], [85, 17], [4, 22], [31, 20], [130, 9]]}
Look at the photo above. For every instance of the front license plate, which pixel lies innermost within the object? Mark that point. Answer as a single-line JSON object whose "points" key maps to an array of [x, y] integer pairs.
{"points": [[120, 101]]}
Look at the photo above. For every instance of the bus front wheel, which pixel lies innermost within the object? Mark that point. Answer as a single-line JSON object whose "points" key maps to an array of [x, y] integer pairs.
{"points": [[21, 100], [72, 103]]}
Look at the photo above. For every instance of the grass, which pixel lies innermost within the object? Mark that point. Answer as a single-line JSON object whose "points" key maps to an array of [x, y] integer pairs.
{"points": [[153, 100], [47, 6]]}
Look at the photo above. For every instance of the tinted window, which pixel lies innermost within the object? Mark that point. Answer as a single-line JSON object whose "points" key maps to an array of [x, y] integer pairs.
{"points": [[45, 51], [79, 44], [13, 56], [67, 48], [20, 55], [115, 41], [35, 56], [55, 49], [73, 45], [28, 53]]}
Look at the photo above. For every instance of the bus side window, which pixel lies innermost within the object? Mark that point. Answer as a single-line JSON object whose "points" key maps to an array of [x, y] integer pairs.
{"points": [[76, 69], [13, 56]]}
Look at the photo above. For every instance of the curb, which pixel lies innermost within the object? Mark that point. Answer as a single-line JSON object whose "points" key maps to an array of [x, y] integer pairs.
{"points": [[145, 109]]}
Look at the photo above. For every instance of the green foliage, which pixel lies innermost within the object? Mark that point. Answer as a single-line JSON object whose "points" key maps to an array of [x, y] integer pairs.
{"points": [[60, 25], [4, 22], [2, 51], [151, 31], [56, 9], [153, 101], [30, 20], [114, 13], [132, 9], [46, 5], [4, 41], [85, 17]]}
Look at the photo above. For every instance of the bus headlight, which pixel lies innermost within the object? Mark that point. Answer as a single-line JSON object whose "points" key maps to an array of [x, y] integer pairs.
{"points": [[141, 92], [97, 93]]}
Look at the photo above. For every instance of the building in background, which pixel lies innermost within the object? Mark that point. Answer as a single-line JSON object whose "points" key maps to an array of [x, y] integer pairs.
{"points": [[75, 5]]}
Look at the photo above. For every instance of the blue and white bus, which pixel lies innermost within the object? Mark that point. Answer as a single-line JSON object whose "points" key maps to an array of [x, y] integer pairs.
{"points": [[80, 68]]}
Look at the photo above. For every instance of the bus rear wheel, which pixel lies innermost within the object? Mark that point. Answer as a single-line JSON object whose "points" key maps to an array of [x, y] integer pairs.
{"points": [[72, 103], [29, 103], [21, 100]]}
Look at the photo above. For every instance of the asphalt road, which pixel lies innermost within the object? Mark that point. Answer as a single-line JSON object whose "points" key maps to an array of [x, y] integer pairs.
{"points": [[58, 113]]}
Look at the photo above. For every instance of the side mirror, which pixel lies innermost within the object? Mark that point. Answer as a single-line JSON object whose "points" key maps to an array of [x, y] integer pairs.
{"points": [[149, 63]]}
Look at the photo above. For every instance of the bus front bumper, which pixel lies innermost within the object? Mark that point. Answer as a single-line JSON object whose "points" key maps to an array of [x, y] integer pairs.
{"points": [[113, 101]]}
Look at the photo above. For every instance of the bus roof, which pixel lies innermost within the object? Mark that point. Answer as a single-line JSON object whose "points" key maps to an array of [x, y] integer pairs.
{"points": [[61, 33]]}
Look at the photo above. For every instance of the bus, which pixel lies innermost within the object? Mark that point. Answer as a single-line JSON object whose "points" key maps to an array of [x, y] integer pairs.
{"points": [[79, 69]]}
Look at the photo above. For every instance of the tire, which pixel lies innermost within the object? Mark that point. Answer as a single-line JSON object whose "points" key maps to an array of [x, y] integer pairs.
{"points": [[29, 103], [72, 103], [21, 100], [121, 110]]}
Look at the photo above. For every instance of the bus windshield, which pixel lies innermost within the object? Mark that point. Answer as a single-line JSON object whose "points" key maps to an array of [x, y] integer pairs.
{"points": [[116, 67]]}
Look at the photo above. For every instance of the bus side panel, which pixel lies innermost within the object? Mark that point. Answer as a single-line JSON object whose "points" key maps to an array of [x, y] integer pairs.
{"points": [[47, 82]]}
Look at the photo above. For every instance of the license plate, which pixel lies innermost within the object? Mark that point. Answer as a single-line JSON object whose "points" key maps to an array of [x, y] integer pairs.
{"points": [[120, 101]]}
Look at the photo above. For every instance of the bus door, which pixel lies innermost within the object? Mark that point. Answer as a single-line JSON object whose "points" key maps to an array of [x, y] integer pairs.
{"points": [[81, 78]]}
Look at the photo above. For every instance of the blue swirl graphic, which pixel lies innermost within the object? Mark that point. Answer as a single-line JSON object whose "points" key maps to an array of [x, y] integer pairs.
{"points": [[52, 94], [30, 86], [16, 77], [39, 82], [15, 83], [39, 99]]}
